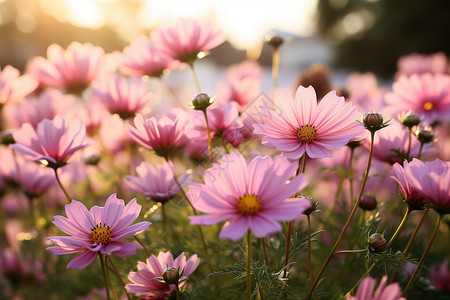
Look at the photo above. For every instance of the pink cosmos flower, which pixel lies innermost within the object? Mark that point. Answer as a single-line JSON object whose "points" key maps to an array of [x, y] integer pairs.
{"points": [[53, 142], [165, 135], [249, 197], [432, 180], [440, 277], [72, 69], [365, 92], [427, 95], [99, 230], [420, 64], [122, 96], [47, 105], [186, 39], [14, 87], [409, 192], [157, 183], [144, 281], [300, 125], [141, 58], [383, 292]]}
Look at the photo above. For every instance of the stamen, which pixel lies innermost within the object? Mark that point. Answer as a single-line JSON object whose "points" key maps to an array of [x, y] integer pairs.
{"points": [[306, 133], [249, 204], [101, 234]]}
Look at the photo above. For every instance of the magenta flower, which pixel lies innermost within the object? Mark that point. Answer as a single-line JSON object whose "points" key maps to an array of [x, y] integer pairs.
{"points": [[426, 95], [383, 292], [186, 39], [249, 197], [432, 180], [420, 64], [14, 87], [141, 58], [122, 96], [300, 125], [165, 136], [73, 69], [97, 231], [52, 143], [412, 196], [440, 277], [157, 183], [144, 282]]}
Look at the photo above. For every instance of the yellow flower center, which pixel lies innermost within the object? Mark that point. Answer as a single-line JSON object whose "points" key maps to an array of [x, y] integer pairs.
{"points": [[428, 105], [306, 133], [249, 204], [101, 234]]}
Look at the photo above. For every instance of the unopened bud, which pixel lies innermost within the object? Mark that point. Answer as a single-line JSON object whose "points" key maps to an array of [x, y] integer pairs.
{"points": [[91, 159], [368, 202], [202, 101], [378, 242], [374, 121], [425, 135], [274, 41], [354, 144], [312, 208], [7, 138], [409, 119], [171, 275]]}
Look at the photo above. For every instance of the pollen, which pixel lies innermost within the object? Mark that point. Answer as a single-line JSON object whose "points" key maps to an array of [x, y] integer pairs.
{"points": [[101, 234], [306, 133], [428, 106], [249, 204]]}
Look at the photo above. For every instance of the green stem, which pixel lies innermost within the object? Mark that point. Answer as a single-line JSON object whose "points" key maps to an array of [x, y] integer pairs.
{"points": [[352, 214], [350, 173], [422, 259], [60, 184], [309, 252], [249, 278], [208, 133], [350, 251], [194, 76], [409, 143], [420, 151], [109, 279], [177, 291], [143, 246], [114, 269], [102, 263], [264, 251]]}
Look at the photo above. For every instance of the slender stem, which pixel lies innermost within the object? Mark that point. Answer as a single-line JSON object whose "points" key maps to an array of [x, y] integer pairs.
{"points": [[177, 291], [350, 251], [113, 267], [109, 279], [422, 259], [249, 278], [288, 246], [102, 263], [400, 226], [266, 259], [409, 143], [420, 151], [309, 251], [143, 246], [352, 214], [413, 236], [275, 69], [60, 184], [350, 172], [194, 76], [208, 133]]}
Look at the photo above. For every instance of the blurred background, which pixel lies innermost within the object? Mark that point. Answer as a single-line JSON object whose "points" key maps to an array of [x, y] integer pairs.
{"points": [[357, 35]]}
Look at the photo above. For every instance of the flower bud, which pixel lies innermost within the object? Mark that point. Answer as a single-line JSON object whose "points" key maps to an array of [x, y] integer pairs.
{"points": [[374, 121], [409, 119], [274, 41], [202, 101], [354, 144], [378, 242], [368, 202], [91, 159], [7, 138], [171, 275], [312, 208], [425, 135]]}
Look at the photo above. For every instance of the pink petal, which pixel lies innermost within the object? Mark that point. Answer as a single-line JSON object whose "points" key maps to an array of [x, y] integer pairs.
{"points": [[82, 260]]}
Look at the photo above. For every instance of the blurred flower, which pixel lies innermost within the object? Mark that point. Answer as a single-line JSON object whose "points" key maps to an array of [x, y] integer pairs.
{"points": [[14, 87], [157, 183], [73, 69], [165, 135], [144, 282], [317, 76], [52, 143], [432, 180], [186, 39], [302, 126], [249, 197], [412, 196], [99, 230], [364, 91], [440, 277], [141, 58], [427, 95], [121, 96], [383, 292], [419, 64]]}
